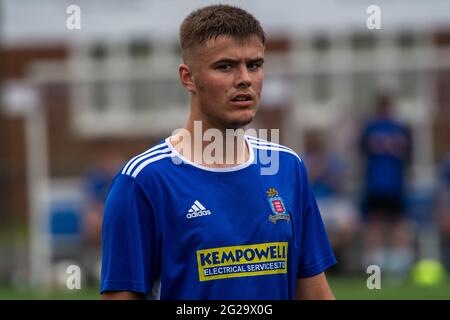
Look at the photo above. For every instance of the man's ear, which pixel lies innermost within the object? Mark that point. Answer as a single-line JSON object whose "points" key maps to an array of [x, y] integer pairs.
{"points": [[186, 77]]}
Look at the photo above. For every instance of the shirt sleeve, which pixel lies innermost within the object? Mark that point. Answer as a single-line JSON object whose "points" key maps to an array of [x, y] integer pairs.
{"points": [[131, 239], [316, 253]]}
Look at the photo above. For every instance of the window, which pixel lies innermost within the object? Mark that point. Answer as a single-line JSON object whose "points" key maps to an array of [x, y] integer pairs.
{"points": [[363, 41], [321, 87], [99, 95], [157, 94], [139, 49], [407, 41], [98, 52], [364, 86], [125, 86], [140, 94], [408, 83], [321, 44]]}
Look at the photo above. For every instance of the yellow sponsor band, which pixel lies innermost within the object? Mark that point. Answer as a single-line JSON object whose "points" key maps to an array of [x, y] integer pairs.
{"points": [[242, 261]]}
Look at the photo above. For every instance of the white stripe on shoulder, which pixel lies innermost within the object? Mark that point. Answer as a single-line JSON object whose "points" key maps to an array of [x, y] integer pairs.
{"points": [[277, 149], [257, 141], [125, 169], [147, 162], [145, 157]]}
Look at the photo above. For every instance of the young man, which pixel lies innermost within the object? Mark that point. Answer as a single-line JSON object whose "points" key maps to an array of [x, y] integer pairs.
{"points": [[199, 229]]}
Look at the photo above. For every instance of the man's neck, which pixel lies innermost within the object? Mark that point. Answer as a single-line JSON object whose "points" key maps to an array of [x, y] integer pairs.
{"points": [[210, 146]]}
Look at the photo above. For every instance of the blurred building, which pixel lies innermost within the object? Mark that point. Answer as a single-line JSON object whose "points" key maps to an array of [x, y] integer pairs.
{"points": [[116, 78]]}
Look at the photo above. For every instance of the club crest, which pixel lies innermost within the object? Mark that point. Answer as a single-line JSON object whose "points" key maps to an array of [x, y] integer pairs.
{"points": [[277, 205]]}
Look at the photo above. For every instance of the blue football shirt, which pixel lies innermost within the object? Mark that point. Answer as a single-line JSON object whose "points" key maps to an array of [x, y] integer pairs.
{"points": [[213, 233], [387, 146]]}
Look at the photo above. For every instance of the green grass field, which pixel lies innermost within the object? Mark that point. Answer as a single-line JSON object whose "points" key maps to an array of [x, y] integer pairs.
{"points": [[356, 289], [343, 288], [83, 294]]}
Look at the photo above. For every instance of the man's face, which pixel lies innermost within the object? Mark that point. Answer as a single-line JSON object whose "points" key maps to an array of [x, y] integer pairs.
{"points": [[227, 79]]}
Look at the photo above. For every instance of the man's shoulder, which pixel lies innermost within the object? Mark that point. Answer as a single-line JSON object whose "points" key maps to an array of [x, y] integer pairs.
{"points": [[260, 144], [142, 163]]}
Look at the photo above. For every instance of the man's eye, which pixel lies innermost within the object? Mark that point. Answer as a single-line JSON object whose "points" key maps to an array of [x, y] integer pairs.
{"points": [[224, 67], [254, 66]]}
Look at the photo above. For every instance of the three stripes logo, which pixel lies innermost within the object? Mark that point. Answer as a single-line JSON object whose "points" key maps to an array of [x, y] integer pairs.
{"points": [[197, 210]]}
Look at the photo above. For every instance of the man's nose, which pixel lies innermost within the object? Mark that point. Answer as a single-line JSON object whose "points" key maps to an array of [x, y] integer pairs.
{"points": [[243, 79]]}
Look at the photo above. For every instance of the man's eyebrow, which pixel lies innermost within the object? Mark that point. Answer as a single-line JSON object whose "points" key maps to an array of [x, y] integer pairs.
{"points": [[235, 61]]}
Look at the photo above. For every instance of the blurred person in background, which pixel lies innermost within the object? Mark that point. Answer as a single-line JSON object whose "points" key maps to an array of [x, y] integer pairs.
{"points": [[327, 173], [443, 209], [386, 147], [97, 181]]}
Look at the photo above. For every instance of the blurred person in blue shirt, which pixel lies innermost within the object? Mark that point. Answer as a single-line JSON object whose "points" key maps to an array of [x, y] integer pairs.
{"points": [[386, 147], [443, 208], [97, 181], [328, 178]]}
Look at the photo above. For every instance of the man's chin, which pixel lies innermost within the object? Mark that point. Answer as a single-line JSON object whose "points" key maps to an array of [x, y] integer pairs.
{"points": [[239, 121], [237, 124]]}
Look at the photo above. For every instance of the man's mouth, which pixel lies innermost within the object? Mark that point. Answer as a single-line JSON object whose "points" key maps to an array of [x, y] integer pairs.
{"points": [[242, 97]]}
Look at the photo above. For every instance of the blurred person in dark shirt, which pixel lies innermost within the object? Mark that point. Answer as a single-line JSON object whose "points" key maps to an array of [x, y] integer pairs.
{"points": [[386, 147]]}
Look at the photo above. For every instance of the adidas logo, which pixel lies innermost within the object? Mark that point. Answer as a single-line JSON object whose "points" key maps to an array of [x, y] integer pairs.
{"points": [[197, 210]]}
